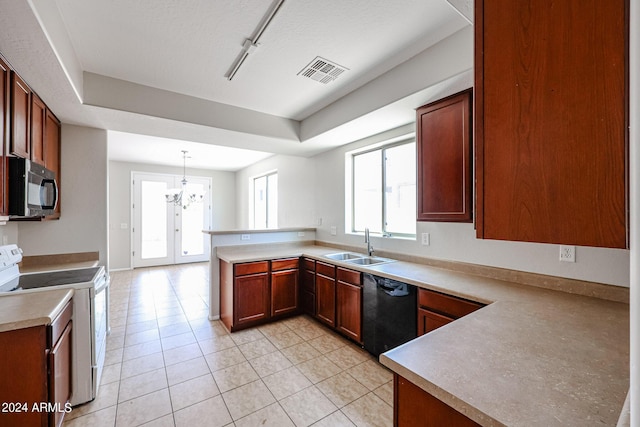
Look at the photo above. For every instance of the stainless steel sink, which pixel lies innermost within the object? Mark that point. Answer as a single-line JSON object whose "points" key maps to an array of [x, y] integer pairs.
{"points": [[369, 260], [344, 256]]}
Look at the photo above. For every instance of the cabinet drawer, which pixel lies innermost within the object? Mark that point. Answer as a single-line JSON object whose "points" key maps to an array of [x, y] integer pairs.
{"points": [[59, 323], [284, 264], [309, 264], [251, 268], [445, 304], [327, 270], [349, 276]]}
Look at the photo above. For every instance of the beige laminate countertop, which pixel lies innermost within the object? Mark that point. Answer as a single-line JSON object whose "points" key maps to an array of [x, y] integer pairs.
{"points": [[61, 266], [531, 357], [24, 310]]}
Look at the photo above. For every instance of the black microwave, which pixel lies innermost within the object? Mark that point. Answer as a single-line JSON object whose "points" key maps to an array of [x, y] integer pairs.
{"points": [[33, 191]]}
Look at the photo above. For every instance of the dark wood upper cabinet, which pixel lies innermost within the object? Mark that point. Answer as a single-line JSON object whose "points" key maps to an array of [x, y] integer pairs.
{"points": [[20, 137], [551, 120], [5, 89], [38, 119], [444, 153], [52, 153]]}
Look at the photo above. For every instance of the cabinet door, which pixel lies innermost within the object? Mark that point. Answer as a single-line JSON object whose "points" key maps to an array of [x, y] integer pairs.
{"points": [[251, 298], [284, 292], [52, 152], [38, 119], [20, 139], [60, 375], [444, 152], [429, 321], [5, 88], [349, 310], [413, 406], [552, 121], [326, 299], [23, 374], [308, 287], [309, 276], [308, 302]]}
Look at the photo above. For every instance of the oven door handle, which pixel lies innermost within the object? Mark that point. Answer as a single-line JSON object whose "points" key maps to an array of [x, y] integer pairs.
{"points": [[102, 283]]}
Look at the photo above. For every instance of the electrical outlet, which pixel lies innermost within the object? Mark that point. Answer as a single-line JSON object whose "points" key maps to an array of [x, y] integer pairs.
{"points": [[567, 253], [300, 233], [426, 240], [245, 237], [334, 230]]}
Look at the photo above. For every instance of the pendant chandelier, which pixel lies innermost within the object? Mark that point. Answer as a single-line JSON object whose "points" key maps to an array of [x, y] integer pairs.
{"points": [[181, 196]]}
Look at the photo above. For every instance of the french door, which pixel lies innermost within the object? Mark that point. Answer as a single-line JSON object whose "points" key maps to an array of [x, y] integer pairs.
{"points": [[165, 233]]}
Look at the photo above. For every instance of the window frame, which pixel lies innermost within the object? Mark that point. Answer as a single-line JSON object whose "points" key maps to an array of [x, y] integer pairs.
{"points": [[352, 170], [267, 198]]}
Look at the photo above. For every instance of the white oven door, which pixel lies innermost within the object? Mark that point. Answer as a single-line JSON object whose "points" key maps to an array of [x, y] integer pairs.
{"points": [[100, 319], [82, 354]]}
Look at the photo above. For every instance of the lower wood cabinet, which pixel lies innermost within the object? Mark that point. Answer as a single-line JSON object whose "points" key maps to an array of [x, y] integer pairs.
{"points": [[349, 304], [36, 373], [244, 294], [413, 406], [326, 293], [308, 287], [284, 287], [251, 298], [255, 292], [436, 309]]}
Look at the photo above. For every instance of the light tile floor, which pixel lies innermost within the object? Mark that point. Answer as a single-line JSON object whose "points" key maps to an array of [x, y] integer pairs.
{"points": [[168, 365]]}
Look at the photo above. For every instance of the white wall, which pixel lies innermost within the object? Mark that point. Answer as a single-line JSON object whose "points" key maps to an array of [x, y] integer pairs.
{"points": [[296, 190], [223, 204], [312, 190], [82, 226]]}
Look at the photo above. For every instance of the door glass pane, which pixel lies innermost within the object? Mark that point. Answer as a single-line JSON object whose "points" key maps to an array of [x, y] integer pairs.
{"points": [[260, 202], [367, 192], [153, 224], [272, 201], [193, 223], [400, 190]]}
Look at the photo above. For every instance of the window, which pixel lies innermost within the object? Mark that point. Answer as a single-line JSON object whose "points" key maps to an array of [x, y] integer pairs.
{"points": [[265, 201], [384, 190]]}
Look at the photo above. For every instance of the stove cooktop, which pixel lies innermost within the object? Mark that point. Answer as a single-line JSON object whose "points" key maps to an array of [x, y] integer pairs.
{"points": [[53, 278], [56, 278]]}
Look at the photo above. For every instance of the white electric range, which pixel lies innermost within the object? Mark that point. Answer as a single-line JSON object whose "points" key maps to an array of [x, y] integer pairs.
{"points": [[90, 314]]}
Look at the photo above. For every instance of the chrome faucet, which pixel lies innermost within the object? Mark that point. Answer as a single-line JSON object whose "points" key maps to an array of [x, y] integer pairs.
{"points": [[367, 240]]}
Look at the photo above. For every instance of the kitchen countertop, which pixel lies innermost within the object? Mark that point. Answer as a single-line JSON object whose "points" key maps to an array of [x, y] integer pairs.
{"points": [[24, 310], [56, 267], [257, 231], [53, 262], [532, 356]]}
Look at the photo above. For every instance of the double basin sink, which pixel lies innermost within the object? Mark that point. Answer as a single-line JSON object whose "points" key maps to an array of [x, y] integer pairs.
{"points": [[359, 259]]}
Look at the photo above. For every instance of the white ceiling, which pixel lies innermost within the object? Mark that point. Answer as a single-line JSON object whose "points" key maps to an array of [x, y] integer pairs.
{"points": [[156, 68]]}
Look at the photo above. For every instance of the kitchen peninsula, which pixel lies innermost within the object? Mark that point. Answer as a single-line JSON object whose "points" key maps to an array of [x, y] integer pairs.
{"points": [[532, 356]]}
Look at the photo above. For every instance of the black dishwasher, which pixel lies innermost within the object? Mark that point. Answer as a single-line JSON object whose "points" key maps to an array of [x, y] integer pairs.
{"points": [[389, 313]]}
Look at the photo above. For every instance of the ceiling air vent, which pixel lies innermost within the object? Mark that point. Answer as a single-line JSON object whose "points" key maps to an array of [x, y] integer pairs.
{"points": [[322, 70]]}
